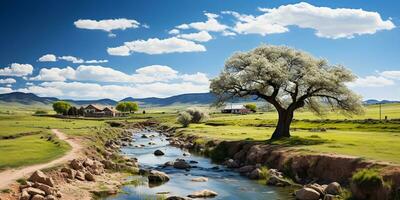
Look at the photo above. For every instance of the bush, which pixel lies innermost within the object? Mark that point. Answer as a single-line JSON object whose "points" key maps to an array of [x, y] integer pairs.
{"points": [[251, 106], [61, 107], [367, 178], [197, 115], [184, 119], [41, 112]]}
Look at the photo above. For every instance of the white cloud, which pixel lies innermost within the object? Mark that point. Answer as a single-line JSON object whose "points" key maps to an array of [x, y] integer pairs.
{"points": [[7, 81], [4, 90], [174, 31], [96, 61], [55, 74], [327, 22], [156, 46], [107, 25], [391, 74], [17, 69], [210, 25], [48, 58], [371, 81], [199, 77], [202, 36], [72, 59]]}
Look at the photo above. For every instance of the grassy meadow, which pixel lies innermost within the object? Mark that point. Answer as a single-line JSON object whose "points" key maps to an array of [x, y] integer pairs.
{"points": [[24, 137]]}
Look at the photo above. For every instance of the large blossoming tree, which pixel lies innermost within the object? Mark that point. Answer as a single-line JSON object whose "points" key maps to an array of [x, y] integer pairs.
{"points": [[288, 79]]}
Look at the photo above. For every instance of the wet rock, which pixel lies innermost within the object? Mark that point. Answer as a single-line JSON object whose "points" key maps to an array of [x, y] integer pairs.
{"points": [[320, 189], [152, 143], [255, 174], [175, 198], [76, 164], [231, 163], [158, 152], [144, 136], [34, 191], [70, 172], [131, 164], [181, 164], [333, 188], [39, 176], [186, 154], [193, 162], [169, 163], [307, 194], [203, 194], [157, 177], [199, 179], [245, 169], [89, 177], [37, 197]]}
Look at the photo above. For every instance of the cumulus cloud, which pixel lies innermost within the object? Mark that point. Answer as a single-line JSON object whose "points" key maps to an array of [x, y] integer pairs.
{"points": [[156, 46], [54, 74], [107, 24], [73, 59], [211, 24], [371, 81], [198, 77], [48, 58], [391, 74], [202, 36], [4, 90], [7, 81], [174, 31], [327, 22], [17, 69]]}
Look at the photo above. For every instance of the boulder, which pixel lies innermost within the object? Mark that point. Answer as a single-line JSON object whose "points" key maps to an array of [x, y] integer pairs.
{"points": [[181, 164], [76, 164], [333, 188], [245, 169], [34, 191], [131, 164], [37, 197], [307, 194], [255, 174], [80, 176], [199, 179], [158, 152], [108, 164], [40, 177], [70, 172], [144, 136], [278, 181], [329, 197], [157, 177], [88, 162], [24, 195], [45, 188], [186, 154], [89, 177], [231, 163], [203, 194], [320, 189], [175, 198], [169, 163]]}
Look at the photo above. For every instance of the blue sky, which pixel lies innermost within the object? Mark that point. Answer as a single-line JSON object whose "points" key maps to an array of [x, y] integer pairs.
{"points": [[108, 49]]}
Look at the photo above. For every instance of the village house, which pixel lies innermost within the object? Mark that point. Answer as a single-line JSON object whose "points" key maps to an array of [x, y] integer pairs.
{"points": [[99, 111], [235, 109]]}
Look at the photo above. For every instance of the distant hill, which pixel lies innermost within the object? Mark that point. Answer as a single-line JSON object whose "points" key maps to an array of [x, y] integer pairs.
{"points": [[195, 98], [374, 101], [98, 102], [26, 98]]}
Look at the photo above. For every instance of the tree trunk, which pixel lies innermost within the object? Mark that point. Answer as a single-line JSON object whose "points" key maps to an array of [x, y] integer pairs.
{"points": [[283, 126]]}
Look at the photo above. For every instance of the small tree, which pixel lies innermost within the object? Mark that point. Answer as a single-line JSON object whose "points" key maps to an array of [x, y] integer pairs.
{"points": [[288, 79], [251, 106], [73, 111], [61, 107], [184, 119], [127, 106], [197, 115]]}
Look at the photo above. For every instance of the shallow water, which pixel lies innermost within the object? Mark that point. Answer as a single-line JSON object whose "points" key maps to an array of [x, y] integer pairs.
{"points": [[228, 184]]}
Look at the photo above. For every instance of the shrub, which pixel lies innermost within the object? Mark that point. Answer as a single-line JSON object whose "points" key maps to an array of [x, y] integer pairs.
{"points": [[184, 119], [197, 115], [61, 107], [367, 178], [41, 112], [251, 106]]}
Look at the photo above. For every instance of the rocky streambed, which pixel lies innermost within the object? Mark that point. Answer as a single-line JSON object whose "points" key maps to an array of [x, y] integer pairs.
{"points": [[175, 173]]}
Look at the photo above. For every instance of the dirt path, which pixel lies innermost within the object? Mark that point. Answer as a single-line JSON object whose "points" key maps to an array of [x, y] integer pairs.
{"points": [[10, 176]]}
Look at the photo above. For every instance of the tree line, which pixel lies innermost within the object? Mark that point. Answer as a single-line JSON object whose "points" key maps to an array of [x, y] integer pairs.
{"points": [[65, 108]]}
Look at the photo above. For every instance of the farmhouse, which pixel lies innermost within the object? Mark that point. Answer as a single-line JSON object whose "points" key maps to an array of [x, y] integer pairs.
{"points": [[235, 109], [99, 111]]}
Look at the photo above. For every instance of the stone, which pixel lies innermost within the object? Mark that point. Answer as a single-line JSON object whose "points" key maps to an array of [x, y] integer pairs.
{"points": [[203, 194], [157, 177], [169, 163], [245, 169], [199, 179], [186, 154], [181, 164], [70, 172], [193, 162], [320, 189], [24, 195], [175, 198], [231, 163], [144, 136], [131, 164], [307, 194], [76, 164], [255, 174], [34, 191], [108, 164], [80, 176], [333, 188], [39, 176], [158, 152], [37, 197], [88, 162], [89, 177], [329, 197], [277, 181], [47, 189]]}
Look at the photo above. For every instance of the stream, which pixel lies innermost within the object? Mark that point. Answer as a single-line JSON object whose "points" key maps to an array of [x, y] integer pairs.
{"points": [[228, 184]]}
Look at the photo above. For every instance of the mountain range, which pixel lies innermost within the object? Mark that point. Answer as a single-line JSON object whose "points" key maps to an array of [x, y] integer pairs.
{"points": [[195, 98]]}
